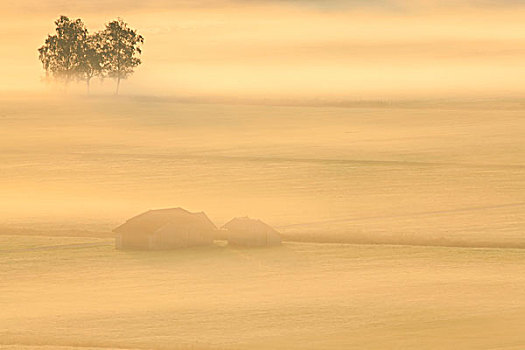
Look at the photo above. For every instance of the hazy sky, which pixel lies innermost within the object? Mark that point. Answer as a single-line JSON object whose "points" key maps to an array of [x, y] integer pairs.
{"points": [[292, 48]]}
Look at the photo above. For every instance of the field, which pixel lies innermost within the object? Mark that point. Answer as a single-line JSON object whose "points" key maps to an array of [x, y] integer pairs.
{"points": [[299, 296], [445, 173], [404, 224]]}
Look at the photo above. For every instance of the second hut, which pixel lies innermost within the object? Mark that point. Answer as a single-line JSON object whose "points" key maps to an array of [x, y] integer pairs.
{"points": [[251, 233]]}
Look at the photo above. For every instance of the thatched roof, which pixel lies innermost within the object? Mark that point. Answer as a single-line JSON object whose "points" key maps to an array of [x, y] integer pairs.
{"points": [[153, 220]]}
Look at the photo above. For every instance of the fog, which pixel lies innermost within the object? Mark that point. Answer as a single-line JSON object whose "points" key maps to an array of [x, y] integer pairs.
{"points": [[383, 140], [308, 49], [417, 172]]}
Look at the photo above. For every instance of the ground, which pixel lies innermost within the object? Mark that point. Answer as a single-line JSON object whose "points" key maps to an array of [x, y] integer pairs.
{"points": [[440, 172], [436, 175], [299, 296]]}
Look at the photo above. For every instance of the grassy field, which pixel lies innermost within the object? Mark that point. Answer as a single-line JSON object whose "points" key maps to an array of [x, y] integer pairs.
{"points": [[441, 172], [299, 296], [414, 178]]}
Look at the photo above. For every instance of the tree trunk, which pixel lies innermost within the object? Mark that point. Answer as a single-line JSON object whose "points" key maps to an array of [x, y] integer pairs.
{"points": [[87, 83], [118, 85], [66, 85]]}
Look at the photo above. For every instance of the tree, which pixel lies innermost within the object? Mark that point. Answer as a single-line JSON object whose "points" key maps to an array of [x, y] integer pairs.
{"points": [[120, 48], [62, 53], [91, 60]]}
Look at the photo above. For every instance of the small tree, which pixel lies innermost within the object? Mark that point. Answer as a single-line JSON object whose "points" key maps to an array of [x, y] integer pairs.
{"points": [[120, 48], [62, 53], [91, 60]]}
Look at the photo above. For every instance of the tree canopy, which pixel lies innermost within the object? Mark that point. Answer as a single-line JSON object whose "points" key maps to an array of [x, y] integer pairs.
{"points": [[121, 46], [62, 53], [73, 53]]}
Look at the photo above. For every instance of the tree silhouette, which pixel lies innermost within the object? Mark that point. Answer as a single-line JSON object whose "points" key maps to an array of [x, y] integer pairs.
{"points": [[120, 48], [72, 53], [91, 61], [62, 53]]}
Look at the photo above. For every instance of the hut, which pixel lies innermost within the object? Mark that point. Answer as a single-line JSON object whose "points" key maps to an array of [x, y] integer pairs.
{"points": [[251, 233], [165, 229]]}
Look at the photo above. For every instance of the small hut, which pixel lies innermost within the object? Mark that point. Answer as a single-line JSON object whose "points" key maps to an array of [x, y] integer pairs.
{"points": [[165, 229], [251, 233]]}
